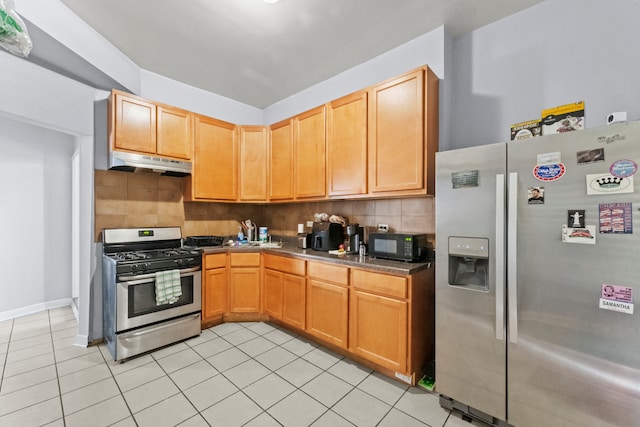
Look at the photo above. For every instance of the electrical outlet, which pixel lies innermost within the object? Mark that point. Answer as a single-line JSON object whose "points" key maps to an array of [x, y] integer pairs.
{"points": [[309, 223], [383, 227]]}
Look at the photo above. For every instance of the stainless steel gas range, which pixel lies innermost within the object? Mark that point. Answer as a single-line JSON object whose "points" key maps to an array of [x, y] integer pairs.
{"points": [[152, 290]]}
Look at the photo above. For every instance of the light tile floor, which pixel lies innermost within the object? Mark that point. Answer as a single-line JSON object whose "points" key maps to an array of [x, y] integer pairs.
{"points": [[234, 374]]}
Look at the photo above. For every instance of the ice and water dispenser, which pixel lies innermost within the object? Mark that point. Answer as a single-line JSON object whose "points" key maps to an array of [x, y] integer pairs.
{"points": [[469, 262]]}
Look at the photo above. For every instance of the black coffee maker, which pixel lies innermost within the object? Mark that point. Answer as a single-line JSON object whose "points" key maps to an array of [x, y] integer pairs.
{"points": [[354, 238]]}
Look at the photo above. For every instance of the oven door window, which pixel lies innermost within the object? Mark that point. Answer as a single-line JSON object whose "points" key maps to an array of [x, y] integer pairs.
{"points": [[142, 298]]}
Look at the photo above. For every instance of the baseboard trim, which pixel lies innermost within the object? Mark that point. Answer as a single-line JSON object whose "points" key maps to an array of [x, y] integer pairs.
{"points": [[35, 308]]}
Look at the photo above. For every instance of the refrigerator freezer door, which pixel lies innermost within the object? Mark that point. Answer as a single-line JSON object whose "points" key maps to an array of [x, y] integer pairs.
{"points": [[574, 364], [470, 359]]}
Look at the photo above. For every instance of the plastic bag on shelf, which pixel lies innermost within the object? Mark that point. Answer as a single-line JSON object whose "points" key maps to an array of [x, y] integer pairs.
{"points": [[13, 32]]}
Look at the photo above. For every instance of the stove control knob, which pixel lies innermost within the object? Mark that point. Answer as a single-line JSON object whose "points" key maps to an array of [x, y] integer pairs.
{"points": [[178, 262], [134, 267], [144, 266]]}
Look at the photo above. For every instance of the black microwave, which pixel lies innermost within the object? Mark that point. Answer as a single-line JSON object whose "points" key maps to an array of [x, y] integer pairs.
{"points": [[398, 246]]}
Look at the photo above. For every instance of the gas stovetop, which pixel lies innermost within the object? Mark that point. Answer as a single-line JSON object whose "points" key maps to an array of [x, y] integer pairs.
{"points": [[141, 262], [156, 254], [140, 251]]}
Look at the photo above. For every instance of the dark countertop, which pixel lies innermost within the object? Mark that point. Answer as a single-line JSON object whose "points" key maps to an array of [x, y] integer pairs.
{"points": [[289, 248]]}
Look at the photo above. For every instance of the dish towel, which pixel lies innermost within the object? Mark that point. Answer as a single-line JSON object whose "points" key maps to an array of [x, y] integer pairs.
{"points": [[168, 287]]}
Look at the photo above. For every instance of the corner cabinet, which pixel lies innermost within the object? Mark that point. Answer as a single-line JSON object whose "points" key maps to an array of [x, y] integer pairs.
{"points": [[284, 292], [403, 134], [281, 161], [141, 126], [254, 146], [215, 167]]}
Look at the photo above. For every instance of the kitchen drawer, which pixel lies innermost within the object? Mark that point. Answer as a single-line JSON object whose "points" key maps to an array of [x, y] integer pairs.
{"points": [[329, 273], [215, 261], [383, 284], [251, 259], [284, 264]]}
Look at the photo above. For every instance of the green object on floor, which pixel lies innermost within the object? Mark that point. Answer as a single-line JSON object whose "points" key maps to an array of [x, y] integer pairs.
{"points": [[427, 383]]}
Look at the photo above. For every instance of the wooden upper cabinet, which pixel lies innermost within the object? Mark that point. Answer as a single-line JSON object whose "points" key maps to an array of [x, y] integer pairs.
{"points": [[175, 132], [134, 122], [281, 161], [347, 145], [253, 162], [310, 154], [142, 126], [215, 170], [401, 145]]}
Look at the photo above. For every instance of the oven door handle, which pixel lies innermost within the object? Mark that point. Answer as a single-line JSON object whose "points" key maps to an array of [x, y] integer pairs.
{"points": [[145, 278]]}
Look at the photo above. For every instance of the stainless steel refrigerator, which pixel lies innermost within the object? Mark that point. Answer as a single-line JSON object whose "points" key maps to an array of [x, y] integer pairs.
{"points": [[537, 272]]}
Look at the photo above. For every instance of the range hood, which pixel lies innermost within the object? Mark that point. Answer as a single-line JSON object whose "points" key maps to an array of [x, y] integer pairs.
{"points": [[134, 162]]}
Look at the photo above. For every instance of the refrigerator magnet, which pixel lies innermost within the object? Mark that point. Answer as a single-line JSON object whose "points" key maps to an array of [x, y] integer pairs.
{"points": [[584, 236], [549, 172], [590, 156], [549, 158], [616, 298], [535, 195], [623, 168], [605, 183], [615, 218], [576, 218]]}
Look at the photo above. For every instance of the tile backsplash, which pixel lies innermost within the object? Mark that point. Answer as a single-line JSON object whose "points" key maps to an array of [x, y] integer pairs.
{"points": [[124, 199]]}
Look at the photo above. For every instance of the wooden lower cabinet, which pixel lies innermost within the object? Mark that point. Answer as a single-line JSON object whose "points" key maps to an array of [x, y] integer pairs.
{"points": [[284, 289], [244, 282], [272, 289], [385, 321], [328, 302], [293, 300], [215, 285], [378, 329]]}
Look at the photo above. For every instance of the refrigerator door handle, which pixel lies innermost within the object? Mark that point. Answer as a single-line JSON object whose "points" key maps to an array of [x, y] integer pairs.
{"points": [[500, 256], [512, 248]]}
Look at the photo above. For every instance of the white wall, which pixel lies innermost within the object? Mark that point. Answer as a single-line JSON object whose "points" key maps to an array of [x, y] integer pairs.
{"points": [[168, 91], [35, 221], [427, 49], [555, 53], [41, 109]]}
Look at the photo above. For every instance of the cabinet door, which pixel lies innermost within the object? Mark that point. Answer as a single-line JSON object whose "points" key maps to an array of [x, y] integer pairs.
{"points": [[293, 300], [309, 154], [378, 329], [281, 161], [215, 160], [214, 301], [327, 311], [396, 134], [272, 295], [253, 163], [347, 145], [135, 124], [244, 290], [174, 136]]}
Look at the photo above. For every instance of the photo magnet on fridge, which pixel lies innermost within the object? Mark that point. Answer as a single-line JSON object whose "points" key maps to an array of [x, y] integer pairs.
{"points": [[576, 218], [535, 195]]}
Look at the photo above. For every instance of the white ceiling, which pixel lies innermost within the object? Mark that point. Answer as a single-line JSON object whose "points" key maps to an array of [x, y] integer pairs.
{"points": [[259, 53]]}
